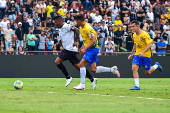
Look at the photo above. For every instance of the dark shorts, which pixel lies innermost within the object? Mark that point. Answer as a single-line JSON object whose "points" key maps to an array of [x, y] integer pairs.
{"points": [[69, 55], [2, 37], [142, 61], [40, 15], [100, 10], [118, 41], [31, 48], [44, 17]]}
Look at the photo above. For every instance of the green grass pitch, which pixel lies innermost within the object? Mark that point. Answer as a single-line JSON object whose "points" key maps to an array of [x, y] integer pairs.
{"points": [[112, 95]]}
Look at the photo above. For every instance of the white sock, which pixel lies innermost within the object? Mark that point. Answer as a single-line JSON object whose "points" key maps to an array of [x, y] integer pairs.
{"points": [[155, 66], [103, 69], [83, 74], [136, 81]]}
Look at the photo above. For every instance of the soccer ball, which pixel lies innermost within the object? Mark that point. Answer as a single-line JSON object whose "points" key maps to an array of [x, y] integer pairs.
{"points": [[18, 84]]}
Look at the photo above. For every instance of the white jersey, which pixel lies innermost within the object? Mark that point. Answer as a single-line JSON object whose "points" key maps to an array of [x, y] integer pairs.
{"points": [[66, 35], [42, 5], [3, 25]]}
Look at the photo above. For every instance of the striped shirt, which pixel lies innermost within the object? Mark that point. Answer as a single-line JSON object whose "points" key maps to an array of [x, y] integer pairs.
{"points": [[66, 35]]}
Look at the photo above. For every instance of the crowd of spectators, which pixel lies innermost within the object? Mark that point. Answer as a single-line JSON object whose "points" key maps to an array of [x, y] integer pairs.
{"points": [[29, 24]]}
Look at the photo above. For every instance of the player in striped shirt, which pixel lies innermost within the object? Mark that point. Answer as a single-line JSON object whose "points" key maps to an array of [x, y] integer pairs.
{"points": [[70, 52]]}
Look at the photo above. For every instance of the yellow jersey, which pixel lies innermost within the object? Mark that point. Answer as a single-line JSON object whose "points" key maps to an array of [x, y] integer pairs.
{"points": [[49, 9], [62, 12], [86, 32], [118, 22], [168, 13], [142, 42], [164, 16]]}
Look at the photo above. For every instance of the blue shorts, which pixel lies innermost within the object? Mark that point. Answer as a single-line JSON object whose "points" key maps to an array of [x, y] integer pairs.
{"points": [[144, 61], [91, 55], [12, 17]]}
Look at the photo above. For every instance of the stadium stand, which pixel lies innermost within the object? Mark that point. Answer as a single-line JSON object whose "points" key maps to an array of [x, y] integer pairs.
{"points": [[34, 16]]}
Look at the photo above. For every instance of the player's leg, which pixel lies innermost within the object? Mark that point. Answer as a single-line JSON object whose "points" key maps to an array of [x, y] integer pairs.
{"points": [[75, 62], [64, 55], [136, 77], [100, 69], [87, 72], [146, 62], [60, 65], [88, 75], [153, 68], [136, 63], [82, 65]]}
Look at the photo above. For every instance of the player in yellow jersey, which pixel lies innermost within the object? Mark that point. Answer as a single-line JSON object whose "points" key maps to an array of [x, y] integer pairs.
{"points": [[142, 57], [91, 50]]}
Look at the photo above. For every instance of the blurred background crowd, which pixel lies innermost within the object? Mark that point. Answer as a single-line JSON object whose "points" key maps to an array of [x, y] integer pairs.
{"points": [[28, 25]]}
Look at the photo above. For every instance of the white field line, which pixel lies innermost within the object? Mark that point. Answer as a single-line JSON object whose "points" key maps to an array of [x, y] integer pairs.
{"points": [[115, 96], [124, 96], [50, 92]]}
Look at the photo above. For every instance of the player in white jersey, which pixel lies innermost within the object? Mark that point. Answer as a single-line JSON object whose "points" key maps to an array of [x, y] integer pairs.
{"points": [[70, 52]]}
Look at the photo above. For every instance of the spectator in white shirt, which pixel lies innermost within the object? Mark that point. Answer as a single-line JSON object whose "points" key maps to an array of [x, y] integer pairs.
{"points": [[103, 30], [137, 3], [110, 47], [42, 41], [166, 28], [145, 1], [111, 3], [110, 33], [153, 49], [167, 4], [97, 18], [73, 11], [151, 17], [114, 9], [3, 26], [3, 8], [8, 36]]}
